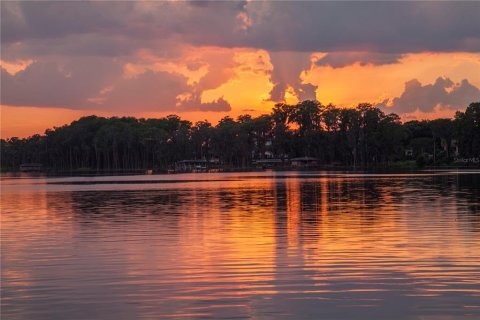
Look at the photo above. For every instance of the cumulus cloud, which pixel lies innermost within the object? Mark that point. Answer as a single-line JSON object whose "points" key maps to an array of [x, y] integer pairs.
{"points": [[286, 73], [149, 91], [221, 68], [61, 83], [195, 104], [425, 98], [99, 83]]}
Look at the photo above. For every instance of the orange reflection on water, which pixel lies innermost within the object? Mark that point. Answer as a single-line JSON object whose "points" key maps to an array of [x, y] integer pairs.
{"points": [[251, 244]]}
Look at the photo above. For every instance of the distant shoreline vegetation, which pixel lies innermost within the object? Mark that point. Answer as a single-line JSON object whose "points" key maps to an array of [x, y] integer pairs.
{"points": [[312, 133]]}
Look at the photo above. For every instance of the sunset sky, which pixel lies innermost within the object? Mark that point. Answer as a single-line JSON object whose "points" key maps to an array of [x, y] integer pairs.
{"points": [[206, 60]]}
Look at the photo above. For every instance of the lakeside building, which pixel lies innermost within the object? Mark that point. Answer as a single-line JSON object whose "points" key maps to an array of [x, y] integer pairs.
{"points": [[304, 162], [196, 165], [31, 167], [269, 163]]}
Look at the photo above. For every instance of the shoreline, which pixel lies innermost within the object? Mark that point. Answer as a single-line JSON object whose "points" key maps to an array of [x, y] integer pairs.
{"points": [[393, 168]]}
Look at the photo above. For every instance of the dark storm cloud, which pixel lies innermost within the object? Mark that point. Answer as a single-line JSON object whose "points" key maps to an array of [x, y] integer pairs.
{"points": [[29, 20], [275, 26], [342, 59], [395, 27], [122, 26], [444, 92]]}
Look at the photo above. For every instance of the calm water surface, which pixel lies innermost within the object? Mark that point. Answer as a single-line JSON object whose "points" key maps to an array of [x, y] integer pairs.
{"points": [[265, 246]]}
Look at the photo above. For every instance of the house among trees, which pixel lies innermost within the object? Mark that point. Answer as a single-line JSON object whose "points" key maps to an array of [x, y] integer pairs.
{"points": [[269, 163], [31, 167], [304, 162], [199, 165], [452, 148]]}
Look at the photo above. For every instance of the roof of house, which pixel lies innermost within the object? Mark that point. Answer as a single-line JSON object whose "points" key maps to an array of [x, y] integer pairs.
{"points": [[304, 159], [268, 161]]}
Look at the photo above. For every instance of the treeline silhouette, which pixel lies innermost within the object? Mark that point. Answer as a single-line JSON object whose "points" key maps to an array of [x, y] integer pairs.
{"points": [[361, 136]]}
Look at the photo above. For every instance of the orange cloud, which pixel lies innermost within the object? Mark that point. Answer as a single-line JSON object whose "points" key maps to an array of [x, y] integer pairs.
{"points": [[13, 67]]}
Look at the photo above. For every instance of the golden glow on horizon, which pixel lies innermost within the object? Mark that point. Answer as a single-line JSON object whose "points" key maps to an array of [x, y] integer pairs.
{"points": [[27, 121]]}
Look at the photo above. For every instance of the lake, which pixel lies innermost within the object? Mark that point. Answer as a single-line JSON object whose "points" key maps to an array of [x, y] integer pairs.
{"points": [[270, 245]]}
